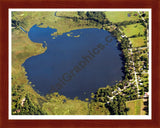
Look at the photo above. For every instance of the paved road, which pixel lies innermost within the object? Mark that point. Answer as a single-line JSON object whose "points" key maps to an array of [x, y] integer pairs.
{"points": [[135, 75]]}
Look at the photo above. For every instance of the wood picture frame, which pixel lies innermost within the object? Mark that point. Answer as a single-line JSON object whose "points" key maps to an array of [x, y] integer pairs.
{"points": [[4, 39]]}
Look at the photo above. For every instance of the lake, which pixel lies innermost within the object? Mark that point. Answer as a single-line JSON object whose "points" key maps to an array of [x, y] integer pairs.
{"points": [[76, 63]]}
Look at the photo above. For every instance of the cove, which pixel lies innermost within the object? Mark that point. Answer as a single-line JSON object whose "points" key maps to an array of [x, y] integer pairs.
{"points": [[75, 63]]}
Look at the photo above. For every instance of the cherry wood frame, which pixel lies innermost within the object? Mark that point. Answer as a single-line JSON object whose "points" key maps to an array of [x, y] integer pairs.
{"points": [[6, 4]]}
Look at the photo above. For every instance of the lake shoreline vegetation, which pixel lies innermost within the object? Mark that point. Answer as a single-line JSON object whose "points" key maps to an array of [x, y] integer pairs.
{"points": [[117, 99]]}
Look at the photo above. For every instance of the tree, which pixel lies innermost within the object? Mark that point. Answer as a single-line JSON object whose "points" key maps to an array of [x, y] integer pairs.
{"points": [[113, 108], [28, 108], [81, 14], [97, 16], [75, 19], [121, 105]]}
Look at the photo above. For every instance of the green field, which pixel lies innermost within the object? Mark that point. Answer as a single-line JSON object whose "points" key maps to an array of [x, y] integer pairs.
{"points": [[49, 19], [133, 29], [66, 14], [138, 42], [135, 107], [114, 16], [60, 105], [23, 48]]}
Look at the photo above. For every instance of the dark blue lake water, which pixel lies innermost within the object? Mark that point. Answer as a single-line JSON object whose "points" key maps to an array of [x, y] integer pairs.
{"points": [[76, 63]]}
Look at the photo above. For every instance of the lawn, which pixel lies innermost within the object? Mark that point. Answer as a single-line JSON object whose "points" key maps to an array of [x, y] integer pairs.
{"points": [[114, 16], [138, 42], [133, 29], [135, 107]]}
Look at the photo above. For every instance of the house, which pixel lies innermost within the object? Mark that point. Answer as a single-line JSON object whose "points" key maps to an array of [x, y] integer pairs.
{"points": [[135, 14], [146, 95], [18, 110], [139, 80], [141, 83], [122, 36]]}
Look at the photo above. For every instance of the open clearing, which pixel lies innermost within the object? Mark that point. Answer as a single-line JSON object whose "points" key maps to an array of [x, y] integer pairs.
{"points": [[135, 107], [133, 29], [60, 105], [138, 42], [116, 17]]}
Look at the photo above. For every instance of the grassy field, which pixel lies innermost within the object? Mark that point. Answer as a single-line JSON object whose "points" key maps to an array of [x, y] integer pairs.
{"points": [[135, 107], [66, 14], [138, 42], [133, 29], [23, 48], [114, 16], [49, 19], [98, 109], [60, 105]]}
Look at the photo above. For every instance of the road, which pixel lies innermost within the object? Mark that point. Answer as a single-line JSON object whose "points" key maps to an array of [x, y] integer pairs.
{"points": [[138, 48], [135, 73]]}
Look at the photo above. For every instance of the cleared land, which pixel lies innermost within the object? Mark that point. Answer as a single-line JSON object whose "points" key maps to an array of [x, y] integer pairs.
{"points": [[60, 105], [66, 14], [135, 33], [133, 29], [114, 16], [129, 30], [135, 107], [138, 42]]}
